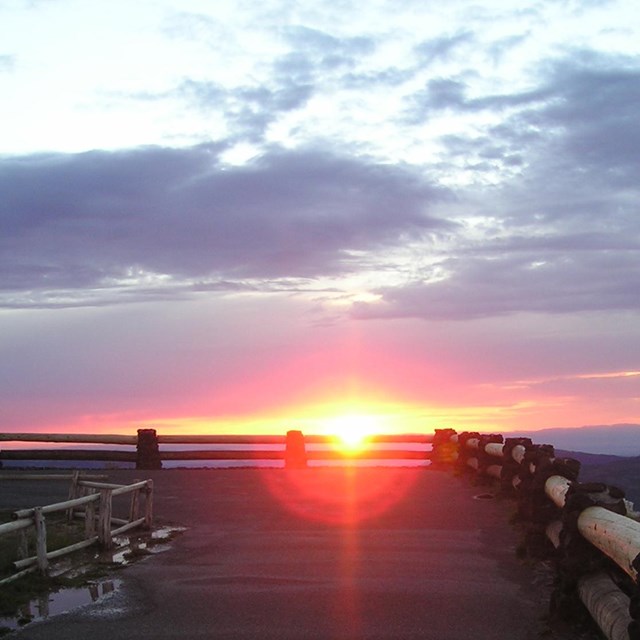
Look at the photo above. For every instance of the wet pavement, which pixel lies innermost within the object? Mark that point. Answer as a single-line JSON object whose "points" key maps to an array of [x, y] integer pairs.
{"points": [[320, 554]]}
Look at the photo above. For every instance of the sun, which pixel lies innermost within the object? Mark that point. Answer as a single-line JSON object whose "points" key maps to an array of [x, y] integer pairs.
{"points": [[352, 430]]}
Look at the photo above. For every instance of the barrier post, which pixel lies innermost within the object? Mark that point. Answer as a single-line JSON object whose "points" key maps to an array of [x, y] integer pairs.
{"points": [[295, 453], [148, 450]]}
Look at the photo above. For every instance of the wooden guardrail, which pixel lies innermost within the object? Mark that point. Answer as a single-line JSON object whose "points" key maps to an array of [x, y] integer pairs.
{"points": [[589, 530], [90, 500], [295, 449]]}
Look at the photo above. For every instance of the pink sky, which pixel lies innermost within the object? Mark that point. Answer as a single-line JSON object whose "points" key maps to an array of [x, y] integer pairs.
{"points": [[424, 214]]}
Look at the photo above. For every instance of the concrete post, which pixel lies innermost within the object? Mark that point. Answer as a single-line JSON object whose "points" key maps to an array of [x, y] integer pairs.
{"points": [[148, 451], [295, 453]]}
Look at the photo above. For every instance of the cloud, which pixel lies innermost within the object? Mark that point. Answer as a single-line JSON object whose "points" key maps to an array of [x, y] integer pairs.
{"points": [[562, 233], [513, 280], [85, 220], [7, 63]]}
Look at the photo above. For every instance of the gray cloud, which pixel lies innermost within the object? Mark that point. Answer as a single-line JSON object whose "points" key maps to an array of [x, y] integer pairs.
{"points": [[74, 221], [603, 276], [562, 233]]}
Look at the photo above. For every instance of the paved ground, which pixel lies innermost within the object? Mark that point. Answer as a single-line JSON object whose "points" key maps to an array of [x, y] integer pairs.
{"points": [[315, 554]]}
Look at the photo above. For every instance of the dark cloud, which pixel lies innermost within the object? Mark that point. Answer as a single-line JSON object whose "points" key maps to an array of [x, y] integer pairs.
{"points": [[76, 221]]}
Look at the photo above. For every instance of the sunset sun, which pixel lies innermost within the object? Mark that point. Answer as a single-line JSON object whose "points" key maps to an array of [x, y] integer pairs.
{"points": [[352, 430]]}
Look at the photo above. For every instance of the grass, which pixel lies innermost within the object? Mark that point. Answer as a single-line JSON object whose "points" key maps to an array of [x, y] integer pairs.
{"points": [[60, 534]]}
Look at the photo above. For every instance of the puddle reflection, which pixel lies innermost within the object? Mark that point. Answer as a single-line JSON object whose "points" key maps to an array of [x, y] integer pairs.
{"points": [[52, 604]]}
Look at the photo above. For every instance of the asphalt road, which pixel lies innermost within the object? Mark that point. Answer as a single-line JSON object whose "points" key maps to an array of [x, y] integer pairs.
{"points": [[315, 554]]}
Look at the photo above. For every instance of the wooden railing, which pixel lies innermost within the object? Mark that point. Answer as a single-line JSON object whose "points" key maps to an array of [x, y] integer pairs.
{"points": [[295, 450], [589, 530], [89, 500]]}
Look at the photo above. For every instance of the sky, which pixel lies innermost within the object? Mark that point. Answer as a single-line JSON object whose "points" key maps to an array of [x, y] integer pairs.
{"points": [[234, 216]]}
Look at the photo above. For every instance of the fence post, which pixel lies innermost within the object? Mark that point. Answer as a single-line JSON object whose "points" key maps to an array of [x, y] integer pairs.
{"points": [[148, 505], [444, 449], [41, 539], [295, 454], [104, 520], [148, 451], [73, 493]]}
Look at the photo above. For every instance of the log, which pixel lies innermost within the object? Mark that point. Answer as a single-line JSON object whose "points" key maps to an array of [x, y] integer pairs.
{"points": [[48, 477], [553, 531], [16, 525], [68, 454], [615, 535], [148, 507], [221, 439], [494, 449], [127, 526], [104, 519], [418, 438], [517, 453], [556, 488], [41, 539], [494, 470], [18, 575], [127, 488], [608, 606], [222, 455], [58, 553], [104, 438], [56, 506]]}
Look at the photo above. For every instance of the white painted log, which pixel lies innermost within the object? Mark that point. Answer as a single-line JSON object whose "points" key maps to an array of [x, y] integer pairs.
{"points": [[68, 437], [616, 536], [494, 449], [556, 488], [608, 606], [473, 443], [473, 463], [517, 453]]}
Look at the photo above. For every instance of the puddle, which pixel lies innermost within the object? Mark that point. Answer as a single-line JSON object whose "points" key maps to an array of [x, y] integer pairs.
{"points": [[63, 601], [127, 549], [484, 496]]}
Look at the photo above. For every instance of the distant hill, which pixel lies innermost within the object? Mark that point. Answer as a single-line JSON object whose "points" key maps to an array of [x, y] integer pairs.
{"points": [[612, 440], [623, 473]]}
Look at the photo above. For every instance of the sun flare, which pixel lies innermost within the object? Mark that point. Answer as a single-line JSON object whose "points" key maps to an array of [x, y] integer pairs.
{"points": [[353, 430]]}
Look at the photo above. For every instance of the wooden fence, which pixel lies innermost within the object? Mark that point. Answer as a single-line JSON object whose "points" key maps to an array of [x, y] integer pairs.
{"points": [[589, 530], [295, 450], [89, 500]]}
